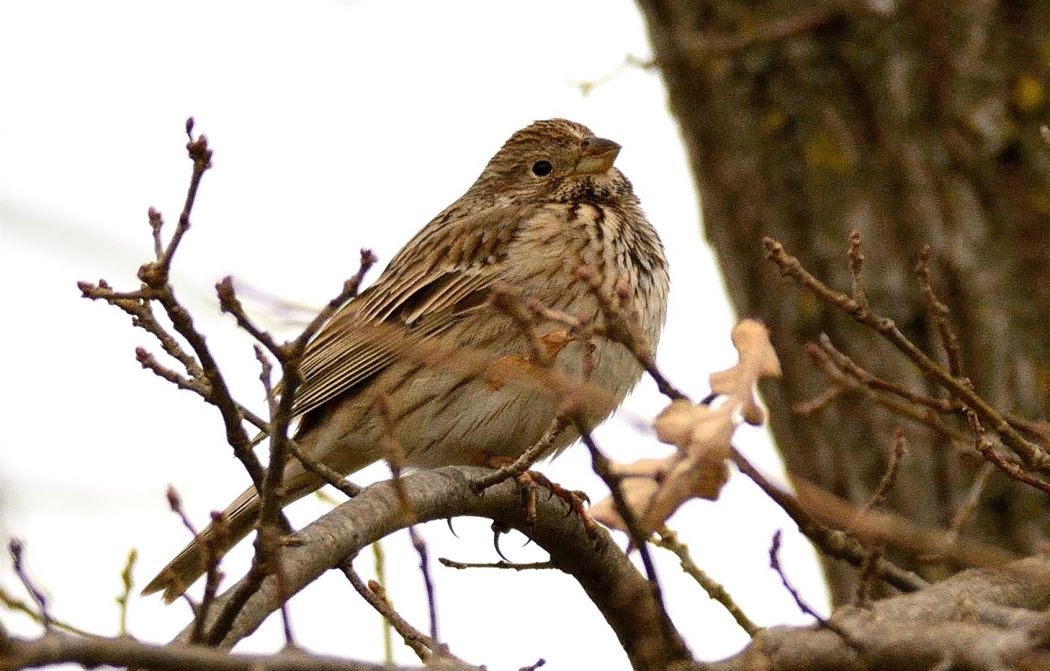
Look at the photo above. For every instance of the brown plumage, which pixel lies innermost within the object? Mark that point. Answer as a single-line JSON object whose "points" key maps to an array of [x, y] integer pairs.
{"points": [[547, 203]]}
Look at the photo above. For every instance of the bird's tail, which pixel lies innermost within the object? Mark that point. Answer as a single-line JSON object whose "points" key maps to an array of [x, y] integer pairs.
{"points": [[191, 563]]}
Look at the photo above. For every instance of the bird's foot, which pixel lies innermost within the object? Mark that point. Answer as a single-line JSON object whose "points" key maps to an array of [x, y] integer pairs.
{"points": [[530, 481]]}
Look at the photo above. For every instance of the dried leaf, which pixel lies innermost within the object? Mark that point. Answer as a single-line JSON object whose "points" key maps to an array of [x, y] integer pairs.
{"points": [[638, 486], [503, 369], [757, 360], [692, 427], [701, 433], [554, 342]]}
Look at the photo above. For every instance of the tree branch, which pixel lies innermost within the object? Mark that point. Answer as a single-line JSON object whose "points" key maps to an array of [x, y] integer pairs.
{"points": [[611, 582]]}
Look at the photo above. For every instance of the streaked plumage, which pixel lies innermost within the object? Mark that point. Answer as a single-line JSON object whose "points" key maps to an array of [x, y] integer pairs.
{"points": [[519, 224]]}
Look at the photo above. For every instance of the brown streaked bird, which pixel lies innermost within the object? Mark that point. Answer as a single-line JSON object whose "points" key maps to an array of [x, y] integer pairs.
{"points": [[549, 202]]}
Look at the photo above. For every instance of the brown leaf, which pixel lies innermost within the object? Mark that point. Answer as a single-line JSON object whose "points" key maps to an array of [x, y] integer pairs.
{"points": [[554, 342], [757, 360], [503, 369], [638, 485], [694, 427], [499, 371]]}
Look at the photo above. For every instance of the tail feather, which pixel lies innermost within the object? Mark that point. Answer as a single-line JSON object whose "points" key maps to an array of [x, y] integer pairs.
{"points": [[190, 564]]}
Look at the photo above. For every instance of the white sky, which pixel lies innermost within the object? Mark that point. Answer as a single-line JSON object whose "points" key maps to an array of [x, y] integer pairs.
{"points": [[335, 125]]}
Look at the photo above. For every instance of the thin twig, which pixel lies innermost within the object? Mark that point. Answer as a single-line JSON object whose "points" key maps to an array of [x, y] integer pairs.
{"points": [[849, 366], [856, 271], [600, 465], [379, 565], [125, 594], [529, 566], [16, 549], [866, 579], [529, 457], [986, 446], [271, 523], [774, 563], [831, 542], [424, 646], [209, 544], [17, 605], [321, 470], [395, 457], [626, 331], [938, 312], [1033, 455], [818, 402], [889, 476], [150, 363], [958, 440], [973, 496], [668, 540]]}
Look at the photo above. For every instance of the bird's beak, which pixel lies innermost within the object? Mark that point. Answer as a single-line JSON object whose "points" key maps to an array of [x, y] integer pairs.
{"points": [[597, 157]]}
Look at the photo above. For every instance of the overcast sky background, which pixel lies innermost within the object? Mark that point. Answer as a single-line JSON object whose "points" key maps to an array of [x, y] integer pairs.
{"points": [[335, 125]]}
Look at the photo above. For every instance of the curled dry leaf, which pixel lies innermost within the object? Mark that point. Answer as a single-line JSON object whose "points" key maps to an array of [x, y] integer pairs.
{"points": [[656, 488], [500, 371], [757, 360], [638, 482]]}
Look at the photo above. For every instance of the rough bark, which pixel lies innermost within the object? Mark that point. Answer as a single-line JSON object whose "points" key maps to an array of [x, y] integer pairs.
{"points": [[914, 123]]}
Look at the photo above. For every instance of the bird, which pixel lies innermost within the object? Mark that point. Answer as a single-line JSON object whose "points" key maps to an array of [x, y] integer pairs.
{"points": [[547, 204]]}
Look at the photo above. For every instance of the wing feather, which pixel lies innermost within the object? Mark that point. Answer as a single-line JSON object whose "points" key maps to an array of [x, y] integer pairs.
{"points": [[440, 276]]}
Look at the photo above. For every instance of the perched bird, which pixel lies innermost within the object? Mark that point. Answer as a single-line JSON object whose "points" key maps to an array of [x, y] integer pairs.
{"points": [[549, 202]]}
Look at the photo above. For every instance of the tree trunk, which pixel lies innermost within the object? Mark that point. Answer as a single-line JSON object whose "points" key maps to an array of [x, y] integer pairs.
{"points": [[914, 123]]}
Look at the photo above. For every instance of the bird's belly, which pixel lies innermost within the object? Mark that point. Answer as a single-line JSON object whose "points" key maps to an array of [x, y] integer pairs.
{"points": [[445, 417]]}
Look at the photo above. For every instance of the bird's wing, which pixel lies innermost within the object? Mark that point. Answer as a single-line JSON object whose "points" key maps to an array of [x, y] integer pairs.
{"points": [[440, 276]]}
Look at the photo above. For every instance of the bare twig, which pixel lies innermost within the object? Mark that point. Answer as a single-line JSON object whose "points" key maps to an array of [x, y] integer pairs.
{"points": [[938, 312], [921, 415], [530, 566], [424, 646], [55, 648], [395, 457], [600, 464], [972, 497], [16, 549], [625, 330], [322, 471], [831, 542], [856, 271], [527, 458], [986, 446], [1032, 454], [889, 476], [774, 563], [17, 605], [125, 593], [818, 402], [868, 576], [846, 364], [668, 540], [271, 524], [213, 577]]}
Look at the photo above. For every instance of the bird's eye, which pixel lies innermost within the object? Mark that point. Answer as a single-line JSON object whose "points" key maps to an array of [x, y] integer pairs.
{"points": [[542, 168]]}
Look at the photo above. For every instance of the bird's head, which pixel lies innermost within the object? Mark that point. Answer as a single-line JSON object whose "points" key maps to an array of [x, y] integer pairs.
{"points": [[554, 160]]}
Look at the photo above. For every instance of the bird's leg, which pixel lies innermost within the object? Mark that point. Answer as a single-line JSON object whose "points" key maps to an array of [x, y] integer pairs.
{"points": [[530, 480]]}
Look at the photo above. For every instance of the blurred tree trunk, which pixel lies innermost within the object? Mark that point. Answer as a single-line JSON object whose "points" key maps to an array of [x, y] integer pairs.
{"points": [[913, 122]]}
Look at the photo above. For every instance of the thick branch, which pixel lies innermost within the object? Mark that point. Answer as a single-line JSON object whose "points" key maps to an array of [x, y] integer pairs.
{"points": [[612, 583], [56, 648], [979, 619]]}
